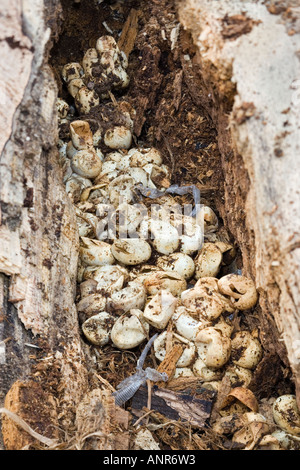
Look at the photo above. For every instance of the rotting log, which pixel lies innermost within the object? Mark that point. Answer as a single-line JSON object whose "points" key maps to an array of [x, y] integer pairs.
{"points": [[246, 72], [39, 332]]}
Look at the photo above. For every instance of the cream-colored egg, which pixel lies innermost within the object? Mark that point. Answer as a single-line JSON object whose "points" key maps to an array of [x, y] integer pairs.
{"points": [[213, 348], [166, 280], [95, 252], [189, 349], [131, 297], [86, 163], [181, 263], [160, 309], [131, 251], [119, 137], [97, 329], [130, 330], [246, 350]]}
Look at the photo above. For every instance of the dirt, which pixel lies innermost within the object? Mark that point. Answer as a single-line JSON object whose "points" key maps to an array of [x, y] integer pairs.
{"points": [[172, 115]]}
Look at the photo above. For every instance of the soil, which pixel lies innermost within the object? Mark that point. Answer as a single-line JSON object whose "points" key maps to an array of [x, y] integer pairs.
{"points": [[171, 107]]}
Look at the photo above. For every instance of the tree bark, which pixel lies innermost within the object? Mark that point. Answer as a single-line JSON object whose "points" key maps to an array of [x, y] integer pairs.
{"points": [[247, 67]]}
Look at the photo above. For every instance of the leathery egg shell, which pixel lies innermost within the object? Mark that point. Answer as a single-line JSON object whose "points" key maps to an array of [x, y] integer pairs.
{"points": [[165, 238], [86, 163], [95, 252], [131, 297], [186, 325], [186, 358], [286, 414], [160, 309], [130, 330], [207, 374], [181, 263], [213, 348], [97, 328], [170, 281], [208, 261], [131, 251], [118, 137], [246, 350]]}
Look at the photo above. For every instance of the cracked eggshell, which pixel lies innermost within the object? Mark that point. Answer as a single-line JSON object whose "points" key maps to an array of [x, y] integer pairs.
{"points": [[86, 99], [81, 135], [74, 86], [143, 156], [166, 280], [120, 190], [92, 304], [119, 137], [164, 237], [213, 348], [209, 219], [206, 305], [183, 372], [130, 330], [191, 234], [139, 175], [97, 329], [186, 325], [70, 150], [95, 252], [75, 185], [286, 414], [208, 261], [240, 289], [86, 163], [246, 350], [71, 72], [186, 358], [110, 278], [90, 60], [160, 309], [131, 297], [131, 251], [181, 263], [207, 374], [238, 376], [62, 108], [85, 227]]}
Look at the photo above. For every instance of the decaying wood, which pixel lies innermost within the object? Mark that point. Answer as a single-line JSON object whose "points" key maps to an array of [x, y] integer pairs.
{"points": [[194, 409], [168, 365], [129, 32], [258, 151]]}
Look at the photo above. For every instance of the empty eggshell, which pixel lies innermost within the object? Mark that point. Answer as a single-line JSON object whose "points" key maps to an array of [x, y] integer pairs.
{"points": [[208, 261], [183, 372], [89, 61], [95, 252], [97, 329], [62, 108], [181, 263], [188, 355], [213, 348], [286, 414], [191, 235], [164, 236], [120, 190], [131, 297], [131, 251], [86, 99], [75, 85], [81, 135], [119, 137], [207, 374], [86, 163], [166, 280], [186, 325], [246, 350], [241, 290], [160, 309], [130, 330]]}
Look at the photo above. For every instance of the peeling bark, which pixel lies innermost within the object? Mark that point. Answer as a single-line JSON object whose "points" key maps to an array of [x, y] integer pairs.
{"points": [[249, 86]]}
